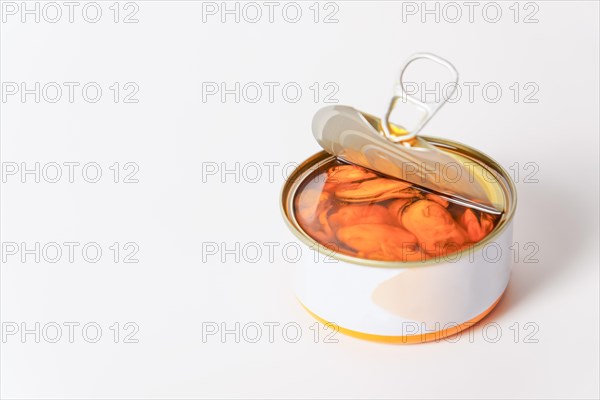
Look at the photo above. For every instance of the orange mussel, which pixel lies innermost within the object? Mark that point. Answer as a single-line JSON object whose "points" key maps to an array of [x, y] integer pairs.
{"points": [[476, 228], [355, 214], [434, 227]]}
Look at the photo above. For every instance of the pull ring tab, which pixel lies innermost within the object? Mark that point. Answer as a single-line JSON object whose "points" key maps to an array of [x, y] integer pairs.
{"points": [[428, 109]]}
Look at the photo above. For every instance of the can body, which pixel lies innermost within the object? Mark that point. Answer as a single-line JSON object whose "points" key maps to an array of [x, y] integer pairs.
{"points": [[406, 302]]}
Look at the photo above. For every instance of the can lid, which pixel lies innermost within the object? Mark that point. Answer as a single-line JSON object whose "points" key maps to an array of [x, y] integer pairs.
{"points": [[388, 148]]}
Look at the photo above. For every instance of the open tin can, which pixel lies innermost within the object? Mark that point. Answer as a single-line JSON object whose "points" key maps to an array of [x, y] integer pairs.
{"points": [[408, 256]]}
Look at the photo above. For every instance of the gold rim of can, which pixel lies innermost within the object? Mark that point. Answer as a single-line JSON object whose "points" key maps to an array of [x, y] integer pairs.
{"points": [[302, 171]]}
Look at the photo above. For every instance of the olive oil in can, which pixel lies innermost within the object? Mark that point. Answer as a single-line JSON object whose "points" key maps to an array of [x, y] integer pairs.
{"points": [[408, 257]]}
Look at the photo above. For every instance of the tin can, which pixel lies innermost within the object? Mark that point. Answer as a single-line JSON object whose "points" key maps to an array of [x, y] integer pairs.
{"points": [[406, 302]]}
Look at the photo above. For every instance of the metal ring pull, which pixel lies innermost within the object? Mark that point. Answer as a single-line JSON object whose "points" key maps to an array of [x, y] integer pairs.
{"points": [[428, 109]]}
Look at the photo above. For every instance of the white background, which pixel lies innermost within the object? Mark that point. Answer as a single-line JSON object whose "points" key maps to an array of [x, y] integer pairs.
{"points": [[171, 132]]}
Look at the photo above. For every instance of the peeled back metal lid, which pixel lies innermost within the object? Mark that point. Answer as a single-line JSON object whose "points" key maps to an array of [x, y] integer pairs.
{"points": [[397, 152]]}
